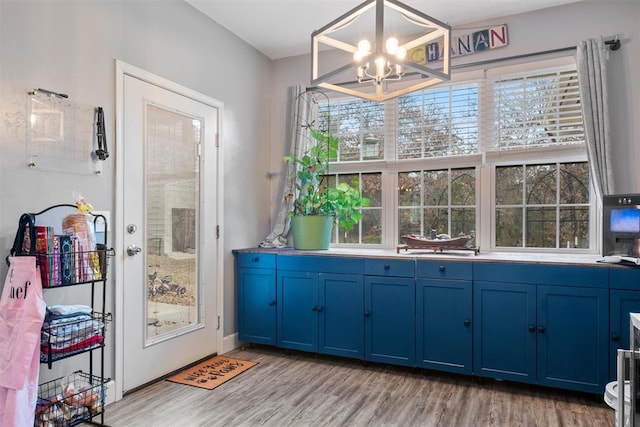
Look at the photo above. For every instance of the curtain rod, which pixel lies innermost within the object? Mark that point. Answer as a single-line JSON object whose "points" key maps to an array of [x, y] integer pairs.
{"points": [[613, 45]]}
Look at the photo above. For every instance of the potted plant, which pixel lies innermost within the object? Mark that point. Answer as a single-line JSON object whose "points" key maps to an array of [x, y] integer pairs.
{"points": [[319, 206]]}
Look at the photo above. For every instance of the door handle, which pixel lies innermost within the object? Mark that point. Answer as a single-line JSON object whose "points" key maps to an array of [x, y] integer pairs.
{"points": [[133, 250]]}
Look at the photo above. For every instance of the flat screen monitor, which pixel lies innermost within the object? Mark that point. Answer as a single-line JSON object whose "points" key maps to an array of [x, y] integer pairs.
{"points": [[625, 220]]}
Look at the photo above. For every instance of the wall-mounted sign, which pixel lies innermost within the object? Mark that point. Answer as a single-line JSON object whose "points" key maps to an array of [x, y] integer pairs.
{"points": [[466, 44]]}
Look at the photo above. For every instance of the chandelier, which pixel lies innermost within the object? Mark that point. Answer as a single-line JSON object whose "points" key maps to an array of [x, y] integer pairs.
{"points": [[392, 58]]}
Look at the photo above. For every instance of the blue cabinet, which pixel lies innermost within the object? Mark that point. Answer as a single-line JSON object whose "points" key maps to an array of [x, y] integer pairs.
{"points": [[573, 337], [256, 280], [389, 304], [546, 334], [504, 331], [548, 324], [624, 298], [621, 303], [318, 310], [341, 315], [298, 310], [444, 316]]}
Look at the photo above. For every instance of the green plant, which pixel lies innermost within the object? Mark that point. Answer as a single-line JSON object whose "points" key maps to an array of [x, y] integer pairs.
{"points": [[343, 201]]}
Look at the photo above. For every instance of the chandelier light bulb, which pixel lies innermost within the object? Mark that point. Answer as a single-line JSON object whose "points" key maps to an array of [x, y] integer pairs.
{"points": [[380, 67], [364, 47], [391, 45], [401, 53]]}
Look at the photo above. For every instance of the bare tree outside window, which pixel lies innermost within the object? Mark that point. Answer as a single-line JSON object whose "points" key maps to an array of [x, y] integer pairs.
{"points": [[542, 206]]}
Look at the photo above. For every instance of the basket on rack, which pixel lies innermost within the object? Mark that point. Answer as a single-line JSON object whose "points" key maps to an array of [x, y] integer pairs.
{"points": [[70, 247], [70, 336], [70, 400], [69, 264]]}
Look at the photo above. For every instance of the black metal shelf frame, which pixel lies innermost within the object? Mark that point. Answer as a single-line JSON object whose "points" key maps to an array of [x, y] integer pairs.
{"points": [[57, 404]]}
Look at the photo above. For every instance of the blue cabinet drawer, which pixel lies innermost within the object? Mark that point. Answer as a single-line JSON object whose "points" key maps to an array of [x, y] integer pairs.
{"points": [[256, 260], [624, 278], [389, 267], [321, 264], [548, 274], [445, 270]]}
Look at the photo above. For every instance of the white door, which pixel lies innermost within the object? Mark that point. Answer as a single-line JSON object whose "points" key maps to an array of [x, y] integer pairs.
{"points": [[168, 231]]}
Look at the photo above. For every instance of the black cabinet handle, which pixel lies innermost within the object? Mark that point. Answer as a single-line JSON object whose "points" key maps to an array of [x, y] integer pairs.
{"points": [[255, 259], [441, 268], [541, 329], [387, 267], [320, 308], [315, 308], [532, 328], [367, 313], [467, 322], [272, 302], [615, 337]]}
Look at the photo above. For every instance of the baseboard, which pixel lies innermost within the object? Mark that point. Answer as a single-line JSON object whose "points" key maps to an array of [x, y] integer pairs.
{"points": [[230, 342], [110, 392]]}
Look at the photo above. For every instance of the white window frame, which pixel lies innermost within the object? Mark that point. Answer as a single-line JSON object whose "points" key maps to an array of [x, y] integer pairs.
{"points": [[485, 162]]}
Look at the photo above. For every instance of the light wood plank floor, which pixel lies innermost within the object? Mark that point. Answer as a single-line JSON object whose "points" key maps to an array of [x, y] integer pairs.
{"points": [[299, 389]]}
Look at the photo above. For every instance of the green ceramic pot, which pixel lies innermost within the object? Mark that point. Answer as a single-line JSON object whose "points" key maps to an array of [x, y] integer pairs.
{"points": [[311, 232]]}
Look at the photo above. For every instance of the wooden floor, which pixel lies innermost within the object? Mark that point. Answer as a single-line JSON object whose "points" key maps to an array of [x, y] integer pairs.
{"points": [[299, 389]]}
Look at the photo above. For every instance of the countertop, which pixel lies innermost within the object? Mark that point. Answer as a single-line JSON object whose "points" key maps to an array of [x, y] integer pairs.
{"points": [[512, 257]]}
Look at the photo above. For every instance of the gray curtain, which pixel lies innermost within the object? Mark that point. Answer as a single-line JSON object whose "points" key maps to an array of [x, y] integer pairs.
{"points": [[592, 56], [300, 115]]}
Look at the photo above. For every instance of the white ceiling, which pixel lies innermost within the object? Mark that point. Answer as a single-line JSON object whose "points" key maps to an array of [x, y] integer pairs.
{"points": [[282, 28]]}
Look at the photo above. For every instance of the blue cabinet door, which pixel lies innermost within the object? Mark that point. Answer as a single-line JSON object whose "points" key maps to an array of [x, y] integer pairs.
{"points": [[621, 303], [257, 305], [341, 315], [504, 331], [297, 318], [573, 345], [390, 320], [444, 327]]}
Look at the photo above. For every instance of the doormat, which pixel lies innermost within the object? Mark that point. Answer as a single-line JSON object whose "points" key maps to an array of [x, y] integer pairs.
{"points": [[212, 372]]}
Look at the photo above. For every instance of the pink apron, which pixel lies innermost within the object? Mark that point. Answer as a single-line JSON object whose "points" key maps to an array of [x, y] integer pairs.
{"points": [[22, 311]]}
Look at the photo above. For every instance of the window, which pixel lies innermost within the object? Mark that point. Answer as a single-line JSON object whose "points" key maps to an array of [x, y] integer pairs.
{"points": [[498, 155], [369, 230], [542, 205], [442, 200]]}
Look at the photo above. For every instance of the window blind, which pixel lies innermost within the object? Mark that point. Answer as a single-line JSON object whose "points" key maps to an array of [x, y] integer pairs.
{"points": [[538, 109], [359, 125], [438, 122]]}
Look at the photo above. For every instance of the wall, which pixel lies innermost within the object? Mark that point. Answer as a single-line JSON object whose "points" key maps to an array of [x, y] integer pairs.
{"points": [[70, 47], [537, 31]]}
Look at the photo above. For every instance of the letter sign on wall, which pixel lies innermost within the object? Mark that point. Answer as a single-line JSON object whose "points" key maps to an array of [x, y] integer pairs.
{"points": [[465, 44]]}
